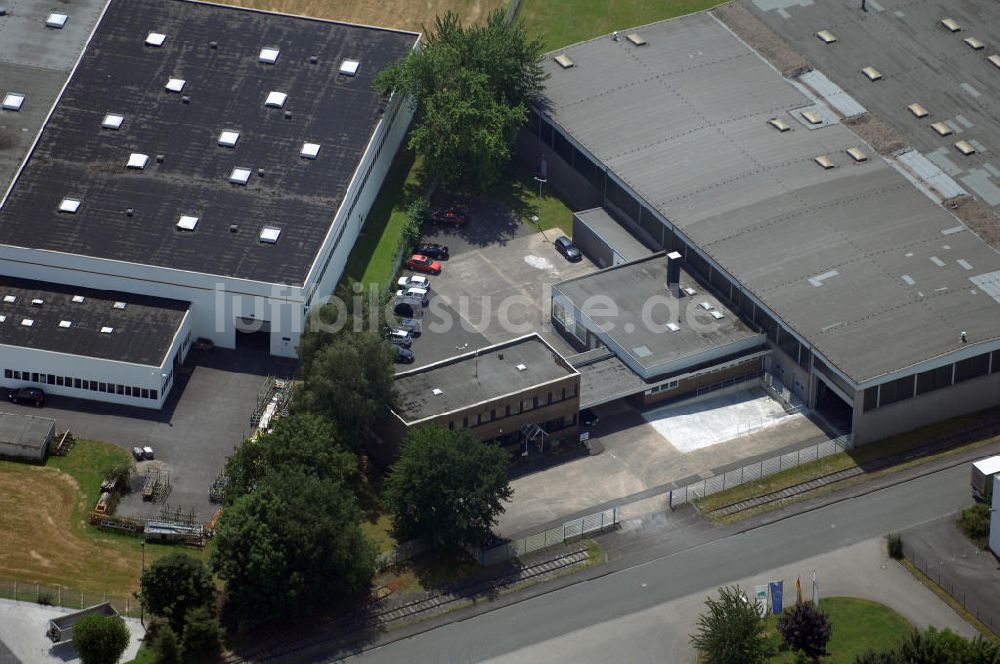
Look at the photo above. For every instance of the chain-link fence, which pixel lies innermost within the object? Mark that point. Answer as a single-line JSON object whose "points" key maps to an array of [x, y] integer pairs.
{"points": [[987, 613], [591, 523], [70, 598], [756, 471]]}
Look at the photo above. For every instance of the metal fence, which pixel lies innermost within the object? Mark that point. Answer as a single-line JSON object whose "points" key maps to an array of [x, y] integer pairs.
{"points": [[591, 523], [756, 471], [987, 613], [70, 598]]}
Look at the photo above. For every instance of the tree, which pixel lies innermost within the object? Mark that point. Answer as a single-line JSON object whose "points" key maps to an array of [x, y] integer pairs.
{"points": [[804, 627], [290, 545], [303, 442], [470, 88], [100, 639], [174, 585], [202, 637], [165, 647], [350, 382], [447, 487], [730, 631]]}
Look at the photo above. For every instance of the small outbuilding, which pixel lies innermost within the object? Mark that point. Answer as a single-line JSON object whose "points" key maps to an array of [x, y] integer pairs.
{"points": [[25, 437]]}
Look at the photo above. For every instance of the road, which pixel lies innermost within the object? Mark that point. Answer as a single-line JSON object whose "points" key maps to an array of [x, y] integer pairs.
{"points": [[596, 603]]}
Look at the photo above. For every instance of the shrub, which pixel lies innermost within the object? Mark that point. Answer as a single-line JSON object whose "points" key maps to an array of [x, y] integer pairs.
{"points": [[805, 628], [895, 546], [166, 649], [974, 522], [202, 637], [100, 639]]}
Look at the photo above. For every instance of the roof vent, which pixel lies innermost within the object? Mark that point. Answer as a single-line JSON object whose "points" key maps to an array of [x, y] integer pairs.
{"points": [[129, 212], [309, 150], [673, 327], [857, 155], [3, 318], [240, 175], [228, 138], [437, 391], [10, 299], [779, 124], [951, 24], [187, 223], [260, 172], [824, 161], [872, 73], [269, 234], [37, 302], [827, 36], [563, 61], [113, 121], [69, 205], [56, 20], [107, 330], [12, 101], [941, 128], [175, 84], [635, 38], [965, 148], [349, 67], [275, 99], [159, 159], [288, 115], [65, 323], [313, 59], [27, 322], [155, 39], [214, 45], [973, 43], [137, 160], [812, 117], [269, 54], [233, 228], [918, 110], [521, 367], [185, 99], [78, 299]]}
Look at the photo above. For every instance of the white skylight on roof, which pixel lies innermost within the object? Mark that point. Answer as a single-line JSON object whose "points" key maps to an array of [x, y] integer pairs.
{"points": [[69, 205], [78, 299], [27, 322], [175, 85], [437, 391], [269, 54], [12, 101], [349, 67], [228, 138], [10, 299], [521, 367], [3, 319], [716, 314], [187, 222], [113, 121], [65, 323], [309, 150], [119, 305], [37, 302], [137, 160], [107, 330], [240, 175], [269, 234], [155, 39], [673, 327], [56, 20], [275, 99], [706, 305]]}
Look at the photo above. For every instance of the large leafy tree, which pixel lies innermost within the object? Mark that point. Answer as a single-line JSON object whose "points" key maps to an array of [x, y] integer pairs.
{"points": [[292, 544], [202, 637], [730, 631], [174, 585], [805, 628], [303, 442], [470, 86], [100, 639], [447, 487]]}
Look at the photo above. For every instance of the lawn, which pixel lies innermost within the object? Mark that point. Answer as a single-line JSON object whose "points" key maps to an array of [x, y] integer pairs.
{"points": [[43, 518], [518, 190], [858, 625], [563, 23]]}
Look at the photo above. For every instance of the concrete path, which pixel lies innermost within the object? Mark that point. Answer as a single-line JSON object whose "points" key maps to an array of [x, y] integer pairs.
{"points": [[22, 630]]}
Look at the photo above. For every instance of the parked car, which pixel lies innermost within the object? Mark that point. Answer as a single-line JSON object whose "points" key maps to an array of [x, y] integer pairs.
{"points": [[421, 263], [421, 294], [403, 356], [137, 453], [201, 343], [411, 325], [588, 418], [433, 250], [399, 337], [147, 452], [566, 247], [450, 216], [29, 395], [414, 281]]}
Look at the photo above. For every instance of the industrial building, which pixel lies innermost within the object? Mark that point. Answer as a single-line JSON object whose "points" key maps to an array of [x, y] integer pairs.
{"points": [[880, 308], [219, 158], [25, 437]]}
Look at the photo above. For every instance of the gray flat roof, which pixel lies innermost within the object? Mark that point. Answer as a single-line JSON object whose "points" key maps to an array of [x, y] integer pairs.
{"points": [[639, 327], [920, 61], [36, 61], [142, 330], [870, 272], [605, 378], [226, 88], [617, 237], [477, 377], [25, 430]]}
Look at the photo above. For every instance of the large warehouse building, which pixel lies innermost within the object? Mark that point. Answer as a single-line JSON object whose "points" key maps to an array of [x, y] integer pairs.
{"points": [[209, 160], [878, 305]]}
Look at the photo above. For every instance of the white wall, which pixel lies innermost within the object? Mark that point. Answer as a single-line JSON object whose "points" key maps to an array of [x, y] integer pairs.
{"points": [[995, 518]]}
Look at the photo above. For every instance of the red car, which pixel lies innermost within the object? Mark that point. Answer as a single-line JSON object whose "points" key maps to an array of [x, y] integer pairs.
{"points": [[451, 217], [419, 263]]}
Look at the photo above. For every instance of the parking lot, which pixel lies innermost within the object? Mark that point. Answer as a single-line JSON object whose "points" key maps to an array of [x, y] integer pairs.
{"points": [[206, 417]]}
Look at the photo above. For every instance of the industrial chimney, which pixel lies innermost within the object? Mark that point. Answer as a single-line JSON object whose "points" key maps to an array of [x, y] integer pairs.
{"points": [[674, 273]]}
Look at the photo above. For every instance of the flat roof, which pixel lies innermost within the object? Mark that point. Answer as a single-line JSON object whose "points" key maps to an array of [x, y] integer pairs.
{"points": [[142, 330], [640, 324], [26, 431], [869, 271], [478, 377], [226, 87], [613, 233], [35, 61]]}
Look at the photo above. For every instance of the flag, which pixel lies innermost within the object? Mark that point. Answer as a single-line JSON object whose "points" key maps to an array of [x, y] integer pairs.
{"points": [[815, 590], [777, 590], [798, 589], [760, 599]]}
